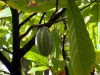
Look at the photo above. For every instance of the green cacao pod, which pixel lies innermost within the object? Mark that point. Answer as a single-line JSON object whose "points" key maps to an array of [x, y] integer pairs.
{"points": [[44, 41]]}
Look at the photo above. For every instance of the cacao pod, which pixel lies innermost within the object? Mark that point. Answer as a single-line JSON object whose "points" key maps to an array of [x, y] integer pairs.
{"points": [[44, 41]]}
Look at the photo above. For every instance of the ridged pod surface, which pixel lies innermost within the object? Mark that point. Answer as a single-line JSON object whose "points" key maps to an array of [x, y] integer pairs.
{"points": [[44, 41]]}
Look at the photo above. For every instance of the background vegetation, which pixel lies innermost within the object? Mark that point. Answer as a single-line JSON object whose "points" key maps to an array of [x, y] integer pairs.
{"points": [[74, 25]]}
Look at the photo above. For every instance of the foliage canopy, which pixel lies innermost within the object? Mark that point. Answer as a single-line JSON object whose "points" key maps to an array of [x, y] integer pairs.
{"points": [[74, 25]]}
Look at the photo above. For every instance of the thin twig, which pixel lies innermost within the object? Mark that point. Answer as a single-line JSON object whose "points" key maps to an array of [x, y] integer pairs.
{"points": [[65, 23], [39, 25], [63, 39], [63, 46], [57, 5], [42, 17], [27, 19], [87, 6]]}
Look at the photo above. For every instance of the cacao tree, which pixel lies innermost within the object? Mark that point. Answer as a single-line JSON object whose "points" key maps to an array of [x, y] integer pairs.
{"points": [[49, 37]]}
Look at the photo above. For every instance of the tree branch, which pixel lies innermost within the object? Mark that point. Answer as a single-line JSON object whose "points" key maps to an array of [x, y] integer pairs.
{"points": [[27, 19], [5, 61], [57, 15], [26, 48], [38, 26], [31, 43]]}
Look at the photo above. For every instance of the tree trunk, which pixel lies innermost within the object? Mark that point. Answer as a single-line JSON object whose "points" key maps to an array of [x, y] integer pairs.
{"points": [[15, 64], [16, 68]]}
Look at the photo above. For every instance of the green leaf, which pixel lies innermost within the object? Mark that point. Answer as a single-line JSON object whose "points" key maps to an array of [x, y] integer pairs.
{"points": [[86, 12], [81, 47], [6, 54], [38, 73], [2, 41], [5, 12], [70, 70], [98, 68], [95, 13], [58, 63], [3, 32], [40, 68], [37, 58], [97, 56], [94, 23], [57, 42]]}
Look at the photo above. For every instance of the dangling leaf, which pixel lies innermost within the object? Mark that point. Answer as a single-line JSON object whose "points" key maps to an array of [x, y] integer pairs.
{"points": [[37, 6], [81, 47]]}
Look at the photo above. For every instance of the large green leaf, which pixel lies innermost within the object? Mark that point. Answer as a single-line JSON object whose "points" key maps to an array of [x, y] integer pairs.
{"points": [[81, 47], [41, 5], [37, 58]]}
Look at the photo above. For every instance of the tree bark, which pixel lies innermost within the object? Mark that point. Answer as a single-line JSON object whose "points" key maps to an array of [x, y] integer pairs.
{"points": [[16, 69], [15, 64]]}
